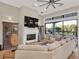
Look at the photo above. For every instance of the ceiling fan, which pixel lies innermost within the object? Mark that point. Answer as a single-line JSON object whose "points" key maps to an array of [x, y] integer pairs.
{"points": [[50, 2]]}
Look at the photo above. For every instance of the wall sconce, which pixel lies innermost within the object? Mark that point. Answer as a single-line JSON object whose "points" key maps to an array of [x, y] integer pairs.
{"points": [[9, 18]]}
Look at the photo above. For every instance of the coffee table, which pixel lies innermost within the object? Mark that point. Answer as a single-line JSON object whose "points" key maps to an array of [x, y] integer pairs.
{"points": [[8, 54], [1, 54]]}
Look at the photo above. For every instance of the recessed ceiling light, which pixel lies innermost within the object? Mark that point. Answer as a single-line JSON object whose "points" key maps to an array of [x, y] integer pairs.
{"points": [[45, 9], [35, 5]]}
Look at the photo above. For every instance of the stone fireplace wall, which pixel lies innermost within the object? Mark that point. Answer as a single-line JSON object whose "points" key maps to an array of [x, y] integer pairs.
{"points": [[30, 31]]}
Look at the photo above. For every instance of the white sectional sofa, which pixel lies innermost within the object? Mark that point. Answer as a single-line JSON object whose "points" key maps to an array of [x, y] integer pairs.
{"points": [[57, 50]]}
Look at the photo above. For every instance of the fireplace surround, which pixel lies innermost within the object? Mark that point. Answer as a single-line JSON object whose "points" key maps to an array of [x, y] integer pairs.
{"points": [[31, 37]]}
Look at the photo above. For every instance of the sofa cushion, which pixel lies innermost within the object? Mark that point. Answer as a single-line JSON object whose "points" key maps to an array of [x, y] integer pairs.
{"points": [[52, 38], [33, 47], [44, 42], [63, 41], [53, 46], [68, 39]]}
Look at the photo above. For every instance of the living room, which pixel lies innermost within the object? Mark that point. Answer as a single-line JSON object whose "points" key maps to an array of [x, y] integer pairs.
{"points": [[29, 32]]}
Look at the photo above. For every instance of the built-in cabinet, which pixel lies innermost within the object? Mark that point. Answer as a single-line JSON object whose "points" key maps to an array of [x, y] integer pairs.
{"points": [[8, 29]]}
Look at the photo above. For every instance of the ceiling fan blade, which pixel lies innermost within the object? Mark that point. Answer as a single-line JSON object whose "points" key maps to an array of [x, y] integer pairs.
{"points": [[56, 0], [59, 3], [42, 1], [47, 6], [53, 5], [44, 4]]}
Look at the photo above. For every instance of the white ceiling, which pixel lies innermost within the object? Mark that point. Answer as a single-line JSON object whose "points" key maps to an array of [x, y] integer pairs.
{"points": [[30, 4]]}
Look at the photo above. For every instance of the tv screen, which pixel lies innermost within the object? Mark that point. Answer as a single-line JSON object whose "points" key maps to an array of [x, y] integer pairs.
{"points": [[30, 22]]}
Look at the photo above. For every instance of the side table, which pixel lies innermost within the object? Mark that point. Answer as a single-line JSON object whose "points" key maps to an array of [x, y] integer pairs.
{"points": [[8, 54], [1, 54]]}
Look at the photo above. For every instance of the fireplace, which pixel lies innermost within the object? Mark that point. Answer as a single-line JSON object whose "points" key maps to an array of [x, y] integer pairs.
{"points": [[31, 37]]}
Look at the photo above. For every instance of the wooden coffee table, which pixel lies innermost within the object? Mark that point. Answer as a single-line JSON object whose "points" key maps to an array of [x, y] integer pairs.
{"points": [[7, 54], [1, 54]]}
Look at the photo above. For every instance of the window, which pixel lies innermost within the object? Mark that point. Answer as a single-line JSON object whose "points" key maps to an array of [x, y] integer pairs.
{"points": [[62, 28], [70, 27], [49, 28], [58, 28]]}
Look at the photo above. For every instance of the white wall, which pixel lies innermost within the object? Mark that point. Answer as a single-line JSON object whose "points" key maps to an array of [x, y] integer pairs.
{"points": [[17, 14], [41, 20], [61, 12], [24, 11], [7, 10]]}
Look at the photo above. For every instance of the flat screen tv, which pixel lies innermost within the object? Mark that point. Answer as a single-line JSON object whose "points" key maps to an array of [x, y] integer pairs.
{"points": [[30, 22]]}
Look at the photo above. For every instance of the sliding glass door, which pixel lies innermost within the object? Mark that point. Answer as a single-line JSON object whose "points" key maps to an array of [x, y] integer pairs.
{"points": [[49, 28], [63, 28], [58, 28], [70, 27]]}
